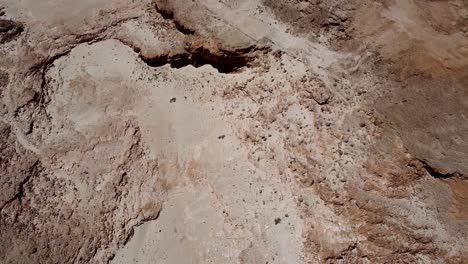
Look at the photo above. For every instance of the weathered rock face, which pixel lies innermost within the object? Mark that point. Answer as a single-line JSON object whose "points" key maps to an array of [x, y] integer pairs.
{"points": [[233, 131]]}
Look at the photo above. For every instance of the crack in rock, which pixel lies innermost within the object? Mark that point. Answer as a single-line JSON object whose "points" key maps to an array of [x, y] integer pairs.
{"points": [[169, 15], [35, 170], [223, 61], [436, 173]]}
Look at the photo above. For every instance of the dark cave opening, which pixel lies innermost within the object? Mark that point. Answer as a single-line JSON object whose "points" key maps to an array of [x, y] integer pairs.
{"points": [[224, 62]]}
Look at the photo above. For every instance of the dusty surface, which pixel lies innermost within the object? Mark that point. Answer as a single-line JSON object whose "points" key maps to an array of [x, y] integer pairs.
{"points": [[248, 131]]}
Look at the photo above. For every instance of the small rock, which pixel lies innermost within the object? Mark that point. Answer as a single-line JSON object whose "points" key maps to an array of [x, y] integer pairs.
{"points": [[277, 220]]}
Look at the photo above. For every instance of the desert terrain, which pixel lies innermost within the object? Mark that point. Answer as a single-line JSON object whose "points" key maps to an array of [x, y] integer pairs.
{"points": [[233, 131]]}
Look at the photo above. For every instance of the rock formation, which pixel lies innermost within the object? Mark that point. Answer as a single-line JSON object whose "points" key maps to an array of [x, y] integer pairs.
{"points": [[222, 131]]}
